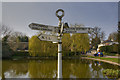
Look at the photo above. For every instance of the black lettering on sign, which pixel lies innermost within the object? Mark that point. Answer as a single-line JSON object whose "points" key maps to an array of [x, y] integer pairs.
{"points": [[69, 31], [40, 25], [43, 37]]}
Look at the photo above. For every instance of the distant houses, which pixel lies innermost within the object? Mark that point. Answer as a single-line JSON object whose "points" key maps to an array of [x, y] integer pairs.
{"points": [[106, 43], [18, 46]]}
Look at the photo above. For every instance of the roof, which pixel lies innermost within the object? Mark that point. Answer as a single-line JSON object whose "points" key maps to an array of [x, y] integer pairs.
{"points": [[107, 41]]}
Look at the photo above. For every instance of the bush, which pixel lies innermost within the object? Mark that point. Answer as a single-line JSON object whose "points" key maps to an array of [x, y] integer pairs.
{"points": [[110, 54], [110, 49], [6, 50], [41, 48], [20, 53], [112, 73]]}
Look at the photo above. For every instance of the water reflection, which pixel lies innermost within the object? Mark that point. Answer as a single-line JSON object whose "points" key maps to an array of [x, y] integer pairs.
{"points": [[42, 69], [0, 69], [13, 69], [97, 69], [78, 68]]}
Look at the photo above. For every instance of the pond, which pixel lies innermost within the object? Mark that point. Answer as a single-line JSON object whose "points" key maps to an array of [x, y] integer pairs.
{"points": [[74, 68]]}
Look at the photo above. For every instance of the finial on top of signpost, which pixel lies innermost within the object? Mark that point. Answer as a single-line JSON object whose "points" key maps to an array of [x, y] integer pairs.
{"points": [[60, 16]]}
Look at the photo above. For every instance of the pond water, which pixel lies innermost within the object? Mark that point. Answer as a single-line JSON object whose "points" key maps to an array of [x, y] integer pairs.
{"points": [[77, 68]]}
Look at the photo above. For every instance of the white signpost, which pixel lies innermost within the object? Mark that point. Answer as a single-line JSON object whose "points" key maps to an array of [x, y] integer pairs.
{"points": [[60, 30]]}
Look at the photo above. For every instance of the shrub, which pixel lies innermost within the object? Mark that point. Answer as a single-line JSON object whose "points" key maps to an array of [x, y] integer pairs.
{"points": [[112, 73], [110, 49]]}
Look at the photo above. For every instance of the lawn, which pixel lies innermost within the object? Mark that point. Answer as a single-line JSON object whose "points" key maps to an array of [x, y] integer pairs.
{"points": [[108, 59]]}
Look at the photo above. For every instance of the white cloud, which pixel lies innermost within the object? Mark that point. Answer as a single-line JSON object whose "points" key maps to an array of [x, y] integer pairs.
{"points": [[60, 0]]}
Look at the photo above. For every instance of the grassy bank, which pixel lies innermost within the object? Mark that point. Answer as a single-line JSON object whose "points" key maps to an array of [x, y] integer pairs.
{"points": [[116, 60], [104, 58]]}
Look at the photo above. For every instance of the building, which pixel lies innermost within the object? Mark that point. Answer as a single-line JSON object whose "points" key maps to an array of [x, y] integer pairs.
{"points": [[18, 46], [106, 43]]}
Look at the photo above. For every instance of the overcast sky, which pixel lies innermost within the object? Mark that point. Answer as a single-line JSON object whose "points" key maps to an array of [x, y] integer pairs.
{"points": [[60, 0], [18, 15]]}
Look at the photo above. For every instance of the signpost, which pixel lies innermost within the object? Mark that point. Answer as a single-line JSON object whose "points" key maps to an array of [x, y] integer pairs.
{"points": [[61, 29]]}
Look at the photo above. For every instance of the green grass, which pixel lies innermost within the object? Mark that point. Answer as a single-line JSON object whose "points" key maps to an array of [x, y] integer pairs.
{"points": [[108, 59], [109, 54]]}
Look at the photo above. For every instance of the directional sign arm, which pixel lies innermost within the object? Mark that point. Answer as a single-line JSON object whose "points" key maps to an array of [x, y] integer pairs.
{"points": [[42, 27], [77, 30], [45, 37]]}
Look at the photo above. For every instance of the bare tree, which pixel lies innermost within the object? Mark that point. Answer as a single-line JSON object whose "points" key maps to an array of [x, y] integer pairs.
{"points": [[96, 32], [119, 36], [15, 39], [96, 36], [102, 35], [4, 30], [14, 36], [113, 36]]}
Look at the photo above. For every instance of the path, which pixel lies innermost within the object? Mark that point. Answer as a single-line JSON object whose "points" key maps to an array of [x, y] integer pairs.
{"points": [[111, 56]]}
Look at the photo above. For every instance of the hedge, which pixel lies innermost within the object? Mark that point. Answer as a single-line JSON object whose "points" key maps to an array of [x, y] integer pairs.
{"points": [[109, 48]]}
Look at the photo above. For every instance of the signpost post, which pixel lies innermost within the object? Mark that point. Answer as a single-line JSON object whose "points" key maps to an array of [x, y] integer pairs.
{"points": [[60, 43], [60, 30]]}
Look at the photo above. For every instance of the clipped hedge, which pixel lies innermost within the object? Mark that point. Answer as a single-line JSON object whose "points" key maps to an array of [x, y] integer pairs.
{"points": [[109, 49]]}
